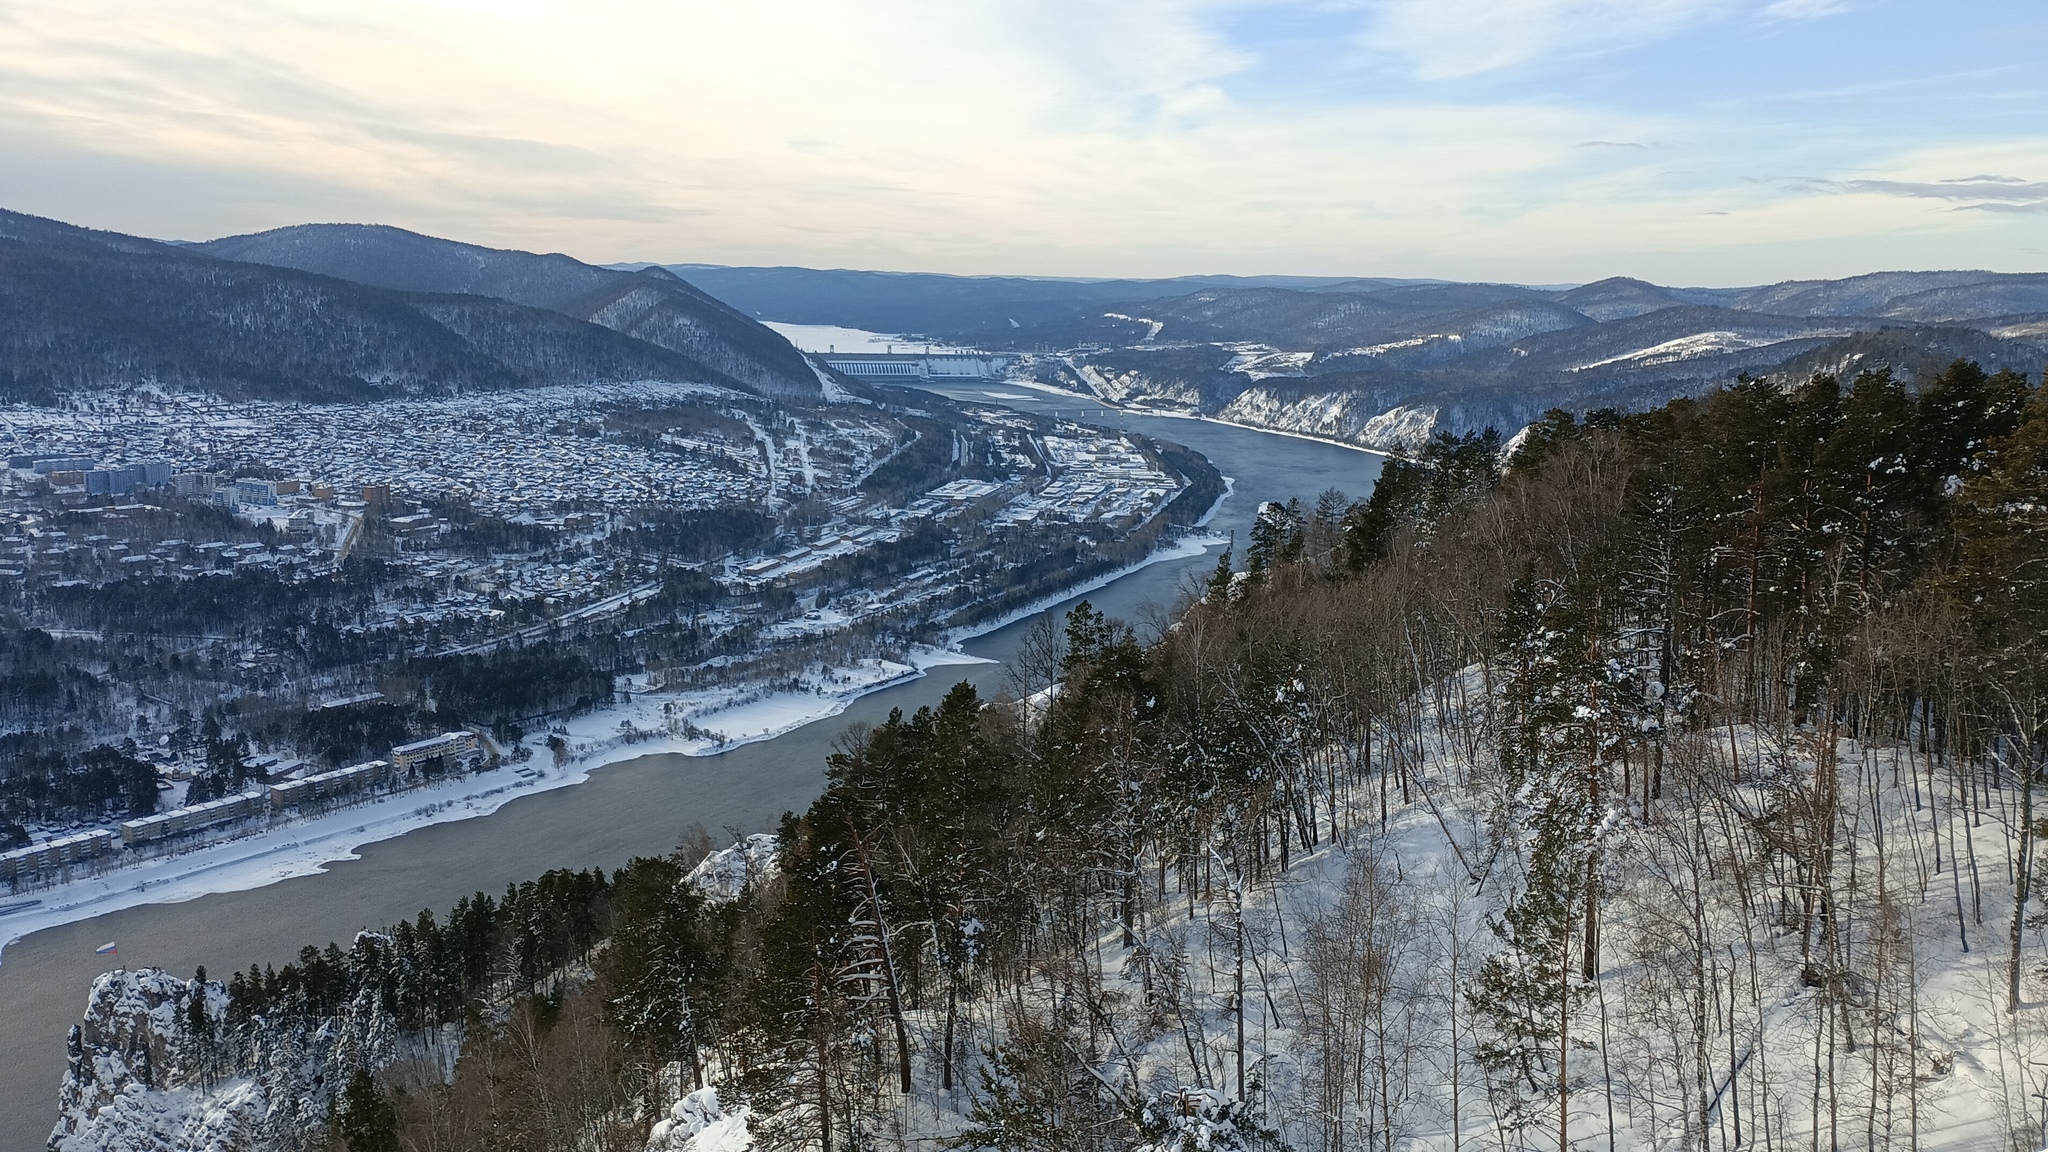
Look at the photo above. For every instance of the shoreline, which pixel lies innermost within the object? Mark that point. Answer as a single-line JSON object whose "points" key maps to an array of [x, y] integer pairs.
{"points": [[1183, 548], [598, 739], [1052, 390]]}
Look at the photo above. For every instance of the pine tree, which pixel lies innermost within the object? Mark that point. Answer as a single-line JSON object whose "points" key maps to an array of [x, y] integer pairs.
{"points": [[200, 1039], [365, 1120], [1218, 590]]}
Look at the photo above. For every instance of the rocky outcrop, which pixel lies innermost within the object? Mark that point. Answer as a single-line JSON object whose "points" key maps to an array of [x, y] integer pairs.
{"points": [[140, 1077], [1343, 416]]}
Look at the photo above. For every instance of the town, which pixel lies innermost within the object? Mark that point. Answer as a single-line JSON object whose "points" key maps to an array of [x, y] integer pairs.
{"points": [[286, 788], [236, 612]]}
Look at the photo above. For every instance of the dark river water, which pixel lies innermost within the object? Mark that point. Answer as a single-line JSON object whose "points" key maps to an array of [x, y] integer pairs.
{"points": [[635, 808]]}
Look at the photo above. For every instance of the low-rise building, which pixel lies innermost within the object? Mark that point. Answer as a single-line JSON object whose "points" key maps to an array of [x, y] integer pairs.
{"points": [[164, 825], [448, 747], [54, 854], [247, 490], [354, 779]]}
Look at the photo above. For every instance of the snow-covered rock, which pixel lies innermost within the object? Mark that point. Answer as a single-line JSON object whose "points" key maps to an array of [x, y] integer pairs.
{"points": [[726, 873], [1344, 416], [1197, 1120], [699, 1123], [136, 1079], [1141, 389]]}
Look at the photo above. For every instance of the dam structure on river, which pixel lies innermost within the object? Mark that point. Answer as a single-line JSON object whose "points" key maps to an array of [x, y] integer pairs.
{"points": [[901, 368]]}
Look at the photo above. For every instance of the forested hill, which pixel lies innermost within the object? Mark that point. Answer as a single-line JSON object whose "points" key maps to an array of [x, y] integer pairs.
{"points": [[1387, 367], [1675, 780], [977, 307], [1385, 364], [653, 304], [82, 309]]}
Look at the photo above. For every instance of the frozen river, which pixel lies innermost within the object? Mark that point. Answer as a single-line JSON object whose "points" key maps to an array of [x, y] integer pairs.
{"points": [[637, 807]]}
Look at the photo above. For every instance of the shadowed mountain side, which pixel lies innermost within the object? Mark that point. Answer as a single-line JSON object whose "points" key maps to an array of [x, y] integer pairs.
{"points": [[81, 309], [1918, 354], [1620, 297], [653, 305], [1396, 394], [1486, 314], [929, 302], [1921, 296]]}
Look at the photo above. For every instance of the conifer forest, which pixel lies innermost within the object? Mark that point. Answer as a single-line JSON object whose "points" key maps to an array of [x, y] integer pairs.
{"points": [[1661, 780]]}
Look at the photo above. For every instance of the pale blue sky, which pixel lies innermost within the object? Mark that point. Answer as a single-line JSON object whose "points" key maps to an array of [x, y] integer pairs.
{"points": [[1693, 141]]}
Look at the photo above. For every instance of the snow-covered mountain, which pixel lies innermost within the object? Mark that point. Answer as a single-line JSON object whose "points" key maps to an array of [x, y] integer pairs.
{"points": [[1334, 357], [1336, 363], [81, 309], [652, 304]]}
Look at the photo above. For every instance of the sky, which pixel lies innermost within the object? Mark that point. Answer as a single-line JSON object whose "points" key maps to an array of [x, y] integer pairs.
{"points": [[1708, 142]]}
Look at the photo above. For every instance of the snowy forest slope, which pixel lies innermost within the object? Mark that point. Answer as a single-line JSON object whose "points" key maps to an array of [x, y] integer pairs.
{"points": [[653, 305], [1671, 787]]}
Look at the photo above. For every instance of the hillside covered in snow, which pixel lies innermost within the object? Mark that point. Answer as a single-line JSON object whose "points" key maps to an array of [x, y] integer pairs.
{"points": [[1385, 365], [1666, 783]]}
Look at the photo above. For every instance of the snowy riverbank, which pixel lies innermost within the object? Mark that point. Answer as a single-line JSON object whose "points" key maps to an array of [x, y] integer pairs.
{"points": [[641, 726], [1191, 414], [700, 723]]}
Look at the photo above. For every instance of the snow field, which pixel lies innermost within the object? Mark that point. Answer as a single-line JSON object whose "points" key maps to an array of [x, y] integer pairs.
{"points": [[1706, 1012]]}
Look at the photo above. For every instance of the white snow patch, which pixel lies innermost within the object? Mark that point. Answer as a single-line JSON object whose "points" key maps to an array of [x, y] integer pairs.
{"points": [[1262, 361], [1689, 348], [815, 338], [1156, 324], [726, 873], [1340, 416], [1514, 444], [699, 1123], [835, 392], [1397, 345]]}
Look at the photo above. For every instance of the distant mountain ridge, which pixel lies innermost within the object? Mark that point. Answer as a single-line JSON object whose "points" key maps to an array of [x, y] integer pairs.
{"points": [[82, 309], [1386, 363], [347, 311], [653, 304], [934, 302]]}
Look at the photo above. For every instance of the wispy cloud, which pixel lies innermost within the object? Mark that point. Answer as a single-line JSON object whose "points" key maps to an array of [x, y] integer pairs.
{"points": [[1994, 193], [1448, 39], [1500, 139], [1451, 39], [1805, 9]]}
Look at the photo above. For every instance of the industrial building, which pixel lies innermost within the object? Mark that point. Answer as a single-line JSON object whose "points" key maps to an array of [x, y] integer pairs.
{"points": [[900, 369]]}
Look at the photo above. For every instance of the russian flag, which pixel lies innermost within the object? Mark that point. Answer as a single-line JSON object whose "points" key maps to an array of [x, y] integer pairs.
{"points": [[106, 949]]}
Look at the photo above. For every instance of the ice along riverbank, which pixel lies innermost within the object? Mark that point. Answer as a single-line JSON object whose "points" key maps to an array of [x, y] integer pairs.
{"points": [[635, 805], [646, 724]]}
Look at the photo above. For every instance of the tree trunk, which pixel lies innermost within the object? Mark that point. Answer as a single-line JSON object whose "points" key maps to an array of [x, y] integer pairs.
{"points": [[2024, 878], [946, 1051]]}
